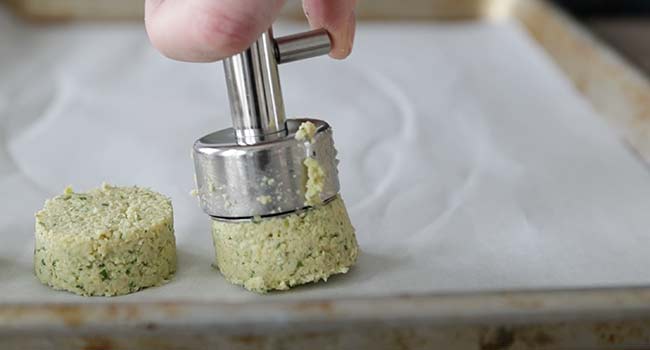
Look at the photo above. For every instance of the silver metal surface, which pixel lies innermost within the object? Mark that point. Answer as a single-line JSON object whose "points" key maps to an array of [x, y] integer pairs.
{"points": [[254, 92], [237, 181], [253, 82], [256, 168], [303, 45]]}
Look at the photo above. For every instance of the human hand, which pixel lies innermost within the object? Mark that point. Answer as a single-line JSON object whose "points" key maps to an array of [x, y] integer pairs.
{"points": [[210, 30]]}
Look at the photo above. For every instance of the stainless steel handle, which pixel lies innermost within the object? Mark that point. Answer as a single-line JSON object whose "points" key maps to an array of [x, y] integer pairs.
{"points": [[303, 45], [253, 82], [254, 91]]}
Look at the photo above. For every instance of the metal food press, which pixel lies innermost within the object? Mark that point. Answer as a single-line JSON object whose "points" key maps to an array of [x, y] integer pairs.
{"points": [[255, 169]]}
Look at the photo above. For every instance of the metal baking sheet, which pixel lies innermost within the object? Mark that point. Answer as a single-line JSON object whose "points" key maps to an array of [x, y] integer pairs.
{"points": [[464, 318]]}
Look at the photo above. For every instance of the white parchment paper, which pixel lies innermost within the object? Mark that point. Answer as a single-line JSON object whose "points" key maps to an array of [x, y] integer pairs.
{"points": [[468, 161]]}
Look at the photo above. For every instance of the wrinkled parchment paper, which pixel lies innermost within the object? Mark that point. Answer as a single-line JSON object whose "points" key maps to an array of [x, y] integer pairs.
{"points": [[468, 161]]}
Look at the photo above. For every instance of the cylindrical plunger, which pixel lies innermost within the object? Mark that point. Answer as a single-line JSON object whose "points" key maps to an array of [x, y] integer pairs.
{"points": [[254, 91], [254, 84]]}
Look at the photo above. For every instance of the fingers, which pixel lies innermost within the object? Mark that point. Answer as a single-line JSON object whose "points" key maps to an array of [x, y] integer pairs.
{"points": [[207, 30], [337, 16]]}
